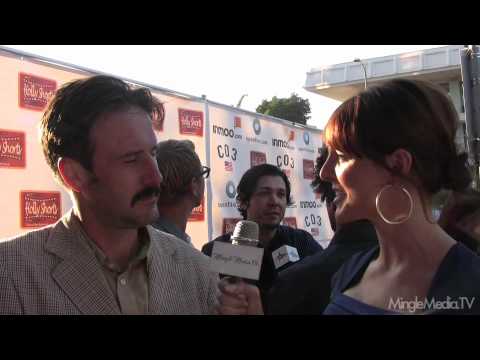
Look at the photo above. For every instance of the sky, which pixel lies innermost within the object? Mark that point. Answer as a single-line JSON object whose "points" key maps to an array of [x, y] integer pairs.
{"points": [[222, 72]]}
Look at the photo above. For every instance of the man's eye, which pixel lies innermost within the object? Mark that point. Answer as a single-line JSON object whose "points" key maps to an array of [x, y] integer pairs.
{"points": [[130, 159]]}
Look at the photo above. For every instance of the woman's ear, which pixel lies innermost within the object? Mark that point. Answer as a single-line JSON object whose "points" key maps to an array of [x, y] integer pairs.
{"points": [[400, 161]]}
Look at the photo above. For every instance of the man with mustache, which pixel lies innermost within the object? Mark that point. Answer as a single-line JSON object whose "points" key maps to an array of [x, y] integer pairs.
{"points": [[101, 257], [263, 194]]}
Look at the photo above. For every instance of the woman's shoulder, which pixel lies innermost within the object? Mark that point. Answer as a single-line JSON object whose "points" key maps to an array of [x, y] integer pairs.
{"points": [[352, 270]]}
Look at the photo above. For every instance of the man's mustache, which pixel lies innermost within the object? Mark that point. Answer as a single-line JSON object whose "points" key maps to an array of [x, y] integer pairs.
{"points": [[146, 193]]}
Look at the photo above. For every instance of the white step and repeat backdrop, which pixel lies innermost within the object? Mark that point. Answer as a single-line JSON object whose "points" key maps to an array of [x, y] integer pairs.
{"points": [[227, 139]]}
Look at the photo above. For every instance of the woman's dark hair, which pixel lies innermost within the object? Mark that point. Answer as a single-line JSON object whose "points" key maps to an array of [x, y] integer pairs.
{"points": [[66, 124], [414, 115], [318, 185], [249, 180]]}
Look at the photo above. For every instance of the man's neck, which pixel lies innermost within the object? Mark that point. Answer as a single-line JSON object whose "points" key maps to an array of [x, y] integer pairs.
{"points": [[266, 234], [118, 244], [176, 214]]}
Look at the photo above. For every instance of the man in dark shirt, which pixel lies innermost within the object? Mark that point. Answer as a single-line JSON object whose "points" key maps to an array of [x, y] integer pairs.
{"points": [[263, 195], [305, 288]]}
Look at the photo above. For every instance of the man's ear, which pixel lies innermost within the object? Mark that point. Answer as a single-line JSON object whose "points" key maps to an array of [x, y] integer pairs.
{"points": [[400, 161], [195, 187], [72, 173]]}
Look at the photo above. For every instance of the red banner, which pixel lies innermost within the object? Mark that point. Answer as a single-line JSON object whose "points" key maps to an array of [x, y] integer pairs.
{"points": [[39, 208]]}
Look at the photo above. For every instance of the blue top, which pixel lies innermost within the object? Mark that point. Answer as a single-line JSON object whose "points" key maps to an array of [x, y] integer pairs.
{"points": [[455, 288]]}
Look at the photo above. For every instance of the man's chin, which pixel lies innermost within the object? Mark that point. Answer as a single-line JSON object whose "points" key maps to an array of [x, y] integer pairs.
{"points": [[269, 226]]}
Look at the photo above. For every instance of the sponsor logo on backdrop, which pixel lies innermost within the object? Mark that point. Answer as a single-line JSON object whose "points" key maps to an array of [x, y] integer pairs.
{"points": [[226, 132], [312, 220], [230, 191], [306, 137], [228, 166], [285, 161], [290, 221], [306, 140], [12, 149], [308, 169], [237, 122], [282, 144], [309, 205], [198, 213], [227, 152], [257, 129], [257, 158], [228, 224], [315, 231], [39, 208], [34, 91], [190, 122]]}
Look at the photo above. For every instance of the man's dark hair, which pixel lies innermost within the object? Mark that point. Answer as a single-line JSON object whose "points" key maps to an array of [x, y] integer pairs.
{"points": [[66, 124], [249, 180], [318, 185]]}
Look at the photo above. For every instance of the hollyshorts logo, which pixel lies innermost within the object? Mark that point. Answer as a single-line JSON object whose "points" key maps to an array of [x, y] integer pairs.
{"points": [[198, 213], [257, 129], [315, 231], [290, 221], [35, 92], [39, 208], [12, 149], [308, 169], [190, 122], [228, 224], [230, 191], [257, 158]]}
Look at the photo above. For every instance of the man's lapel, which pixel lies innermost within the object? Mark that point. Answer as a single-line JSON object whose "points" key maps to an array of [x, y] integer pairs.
{"points": [[78, 273]]}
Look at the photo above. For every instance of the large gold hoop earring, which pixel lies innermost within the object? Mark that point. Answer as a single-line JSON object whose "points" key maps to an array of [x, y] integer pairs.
{"points": [[377, 202]]}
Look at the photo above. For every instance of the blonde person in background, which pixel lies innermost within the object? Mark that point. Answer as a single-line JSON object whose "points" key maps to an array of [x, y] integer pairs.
{"points": [[182, 187]]}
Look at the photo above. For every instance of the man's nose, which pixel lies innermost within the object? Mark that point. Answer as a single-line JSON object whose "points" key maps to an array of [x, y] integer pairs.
{"points": [[153, 176]]}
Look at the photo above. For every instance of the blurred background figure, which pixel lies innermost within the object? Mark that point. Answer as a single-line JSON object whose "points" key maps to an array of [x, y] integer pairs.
{"points": [[460, 217], [182, 187]]}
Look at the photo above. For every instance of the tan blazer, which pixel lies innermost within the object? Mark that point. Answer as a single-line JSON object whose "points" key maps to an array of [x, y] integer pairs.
{"points": [[48, 272]]}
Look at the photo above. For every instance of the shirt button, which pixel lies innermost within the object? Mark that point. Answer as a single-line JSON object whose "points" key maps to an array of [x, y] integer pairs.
{"points": [[123, 281]]}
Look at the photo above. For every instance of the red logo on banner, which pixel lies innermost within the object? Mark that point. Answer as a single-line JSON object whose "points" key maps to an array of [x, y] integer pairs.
{"points": [[12, 149], [237, 122], [291, 136], [39, 208], [228, 224], [290, 221], [308, 169], [257, 158], [35, 92], [190, 122], [315, 231], [228, 166], [198, 213]]}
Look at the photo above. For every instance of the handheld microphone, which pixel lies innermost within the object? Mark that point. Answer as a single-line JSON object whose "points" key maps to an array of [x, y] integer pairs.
{"points": [[285, 254], [242, 258]]}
